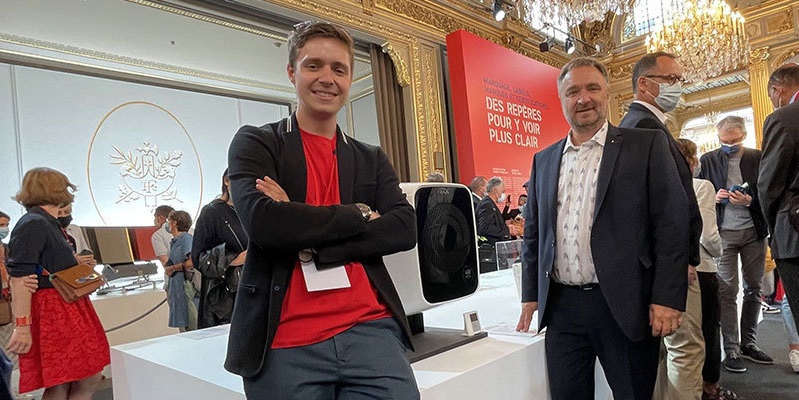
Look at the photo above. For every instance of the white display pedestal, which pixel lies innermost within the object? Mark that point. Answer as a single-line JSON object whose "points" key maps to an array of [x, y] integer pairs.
{"points": [[504, 365]]}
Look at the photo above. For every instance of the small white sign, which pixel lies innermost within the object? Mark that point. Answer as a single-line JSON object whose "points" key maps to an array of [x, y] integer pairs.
{"points": [[327, 279]]}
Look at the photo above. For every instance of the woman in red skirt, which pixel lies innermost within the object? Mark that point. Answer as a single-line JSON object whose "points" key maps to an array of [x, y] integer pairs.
{"points": [[62, 346]]}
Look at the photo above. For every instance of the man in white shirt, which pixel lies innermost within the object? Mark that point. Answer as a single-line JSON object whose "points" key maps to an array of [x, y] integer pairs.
{"points": [[605, 258]]}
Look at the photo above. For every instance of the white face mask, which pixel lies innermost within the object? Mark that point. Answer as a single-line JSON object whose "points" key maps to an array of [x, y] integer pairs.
{"points": [[501, 198], [669, 95]]}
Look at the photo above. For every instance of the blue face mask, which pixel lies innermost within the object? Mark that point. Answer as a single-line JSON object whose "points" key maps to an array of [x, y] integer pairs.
{"points": [[730, 148], [3, 232], [166, 226]]}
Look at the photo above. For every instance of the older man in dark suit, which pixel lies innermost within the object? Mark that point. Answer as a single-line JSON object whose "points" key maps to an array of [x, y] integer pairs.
{"points": [[605, 256], [778, 184], [490, 222]]}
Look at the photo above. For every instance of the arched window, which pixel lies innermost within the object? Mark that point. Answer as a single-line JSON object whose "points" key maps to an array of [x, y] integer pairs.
{"points": [[648, 15]]}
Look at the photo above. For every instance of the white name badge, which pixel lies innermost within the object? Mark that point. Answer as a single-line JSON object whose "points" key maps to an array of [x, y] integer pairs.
{"points": [[327, 279]]}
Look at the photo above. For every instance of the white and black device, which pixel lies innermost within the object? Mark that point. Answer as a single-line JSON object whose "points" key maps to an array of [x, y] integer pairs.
{"points": [[471, 323], [444, 264], [442, 267]]}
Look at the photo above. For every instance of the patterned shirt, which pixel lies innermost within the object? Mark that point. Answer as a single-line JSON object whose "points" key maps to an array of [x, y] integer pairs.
{"points": [[579, 167]]}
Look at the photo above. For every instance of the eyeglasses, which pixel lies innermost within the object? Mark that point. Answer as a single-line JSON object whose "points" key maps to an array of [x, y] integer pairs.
{"points": [[670, 79]]}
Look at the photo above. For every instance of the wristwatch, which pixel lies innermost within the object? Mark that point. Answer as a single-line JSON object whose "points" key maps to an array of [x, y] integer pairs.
{"points": [[366, 212]]}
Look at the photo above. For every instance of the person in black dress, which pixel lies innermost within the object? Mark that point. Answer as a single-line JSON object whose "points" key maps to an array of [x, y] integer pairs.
{"points": [[218, 224]]}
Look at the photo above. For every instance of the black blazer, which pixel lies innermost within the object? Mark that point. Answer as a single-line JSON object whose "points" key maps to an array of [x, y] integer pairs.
{"points": [[640, 117], [779, 178], [490, 222], [715, 165], [475, 201], [277, 231], [638, 242]]}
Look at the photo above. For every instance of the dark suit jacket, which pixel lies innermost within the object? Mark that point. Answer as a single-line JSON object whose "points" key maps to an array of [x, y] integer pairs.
{"points": [[278, 230], [640, 117], [638, 242], [715, 165], [475, 201], [490, 222], [779, 178]]}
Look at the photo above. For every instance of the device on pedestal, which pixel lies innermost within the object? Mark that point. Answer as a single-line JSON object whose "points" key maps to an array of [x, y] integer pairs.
{"points": [[442, 267], [117, 249]]}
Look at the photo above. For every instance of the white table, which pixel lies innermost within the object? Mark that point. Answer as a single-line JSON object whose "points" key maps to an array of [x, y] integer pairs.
{"points": [[502, 366]]}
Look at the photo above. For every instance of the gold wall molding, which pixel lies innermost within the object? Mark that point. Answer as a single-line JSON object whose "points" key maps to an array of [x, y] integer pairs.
{"points": [[401, 69], [759, 72], [211, 19], [778, 61], [137, 62], [438, 21], [434, 110]]}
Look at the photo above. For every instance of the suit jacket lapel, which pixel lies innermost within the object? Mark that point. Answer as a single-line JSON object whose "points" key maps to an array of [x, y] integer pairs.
{"points": [[606, 166], [551, 176], [295, 176], [346, 167]]}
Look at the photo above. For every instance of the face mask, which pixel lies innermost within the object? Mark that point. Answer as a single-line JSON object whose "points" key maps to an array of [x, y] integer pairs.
{"points": [[731, 148], [501, 198], [3, 232], [669, 96], [64, 221], [166, 226]]}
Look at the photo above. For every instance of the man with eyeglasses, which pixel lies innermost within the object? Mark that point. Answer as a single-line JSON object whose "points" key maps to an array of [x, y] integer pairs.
{"points": [[317, 315], [657, 87]]}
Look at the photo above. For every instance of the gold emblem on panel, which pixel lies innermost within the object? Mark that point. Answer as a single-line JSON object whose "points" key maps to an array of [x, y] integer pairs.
{"points": [[141, 156]]}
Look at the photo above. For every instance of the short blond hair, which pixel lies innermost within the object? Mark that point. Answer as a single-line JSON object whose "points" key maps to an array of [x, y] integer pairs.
{"points": [[43, 186]]}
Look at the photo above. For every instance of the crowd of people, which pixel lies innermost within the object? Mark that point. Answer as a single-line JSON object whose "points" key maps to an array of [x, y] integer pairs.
{"points": [[634, 262]]}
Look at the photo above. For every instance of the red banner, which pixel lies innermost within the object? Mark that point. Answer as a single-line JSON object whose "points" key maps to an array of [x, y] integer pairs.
{"points": [[506, 108]]}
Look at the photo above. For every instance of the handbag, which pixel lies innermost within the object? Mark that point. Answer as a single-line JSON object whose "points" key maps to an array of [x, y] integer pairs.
{"points": [[76, 282], [6, 316]]}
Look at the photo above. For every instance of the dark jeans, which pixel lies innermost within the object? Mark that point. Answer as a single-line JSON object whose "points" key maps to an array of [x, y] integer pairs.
{"points": [[366, 361], [582, 329], [789, 273], [709, 285]]}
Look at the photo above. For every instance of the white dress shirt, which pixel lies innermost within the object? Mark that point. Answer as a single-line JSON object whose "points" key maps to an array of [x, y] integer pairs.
{"points": [[659, 114], [161, 240], [579, 169]]}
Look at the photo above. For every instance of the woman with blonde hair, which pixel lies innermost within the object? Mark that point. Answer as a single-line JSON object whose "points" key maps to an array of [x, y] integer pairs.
{"points": [[62, 346]]}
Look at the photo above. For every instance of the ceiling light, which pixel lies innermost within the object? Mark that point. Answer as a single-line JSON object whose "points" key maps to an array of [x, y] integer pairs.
{"points": [[546, 45], [569, 45], [498, 10]]}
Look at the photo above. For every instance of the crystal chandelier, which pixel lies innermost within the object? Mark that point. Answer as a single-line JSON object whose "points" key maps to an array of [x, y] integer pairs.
{"points": [[707, 35], [570, 12]]}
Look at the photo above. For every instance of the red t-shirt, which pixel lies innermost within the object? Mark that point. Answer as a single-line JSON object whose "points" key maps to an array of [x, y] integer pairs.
{"points": [[311, 317]]}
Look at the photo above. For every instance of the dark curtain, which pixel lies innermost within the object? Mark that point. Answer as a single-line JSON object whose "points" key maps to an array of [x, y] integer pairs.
{"points": [[390, 112]]}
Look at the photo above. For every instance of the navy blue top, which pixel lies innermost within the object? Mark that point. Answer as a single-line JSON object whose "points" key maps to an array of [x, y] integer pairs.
{"points": [[37, 240]]}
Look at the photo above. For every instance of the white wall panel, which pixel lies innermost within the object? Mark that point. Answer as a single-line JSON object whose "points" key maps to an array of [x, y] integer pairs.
{"points": [[175, 142], [364, 120]]}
